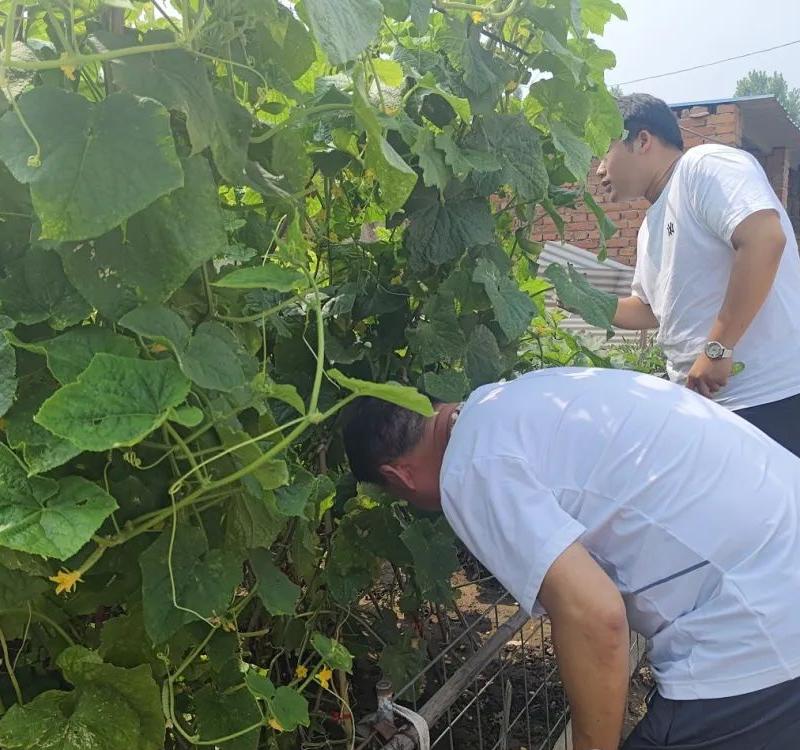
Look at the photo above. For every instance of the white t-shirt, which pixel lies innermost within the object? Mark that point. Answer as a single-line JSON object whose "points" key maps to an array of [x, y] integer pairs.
{"points": [[692, 511], [683, 265]]}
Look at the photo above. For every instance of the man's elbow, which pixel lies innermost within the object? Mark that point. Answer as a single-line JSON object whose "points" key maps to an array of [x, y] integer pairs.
{"points": [[611, 622]]}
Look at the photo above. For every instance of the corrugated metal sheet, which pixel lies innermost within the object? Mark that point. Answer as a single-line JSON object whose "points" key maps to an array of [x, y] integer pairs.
{"points": [[611, 276]]}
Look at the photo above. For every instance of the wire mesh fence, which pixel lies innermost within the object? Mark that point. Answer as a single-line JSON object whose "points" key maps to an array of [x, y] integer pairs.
{"points": [[493, 685]]}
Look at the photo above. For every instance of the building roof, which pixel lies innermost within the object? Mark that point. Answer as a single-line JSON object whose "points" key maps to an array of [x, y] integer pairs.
{"points": [[765, 123]]}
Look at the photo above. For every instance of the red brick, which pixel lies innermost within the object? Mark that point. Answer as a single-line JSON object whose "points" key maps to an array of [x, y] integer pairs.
{"points": [[723, 108], [627, 232]]}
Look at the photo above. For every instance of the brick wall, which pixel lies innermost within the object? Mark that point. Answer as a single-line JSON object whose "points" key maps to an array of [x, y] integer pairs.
{"points": [[718, 124]]}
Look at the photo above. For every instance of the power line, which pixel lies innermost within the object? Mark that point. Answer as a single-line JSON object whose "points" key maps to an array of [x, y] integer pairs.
{"points": [[709, 64]]}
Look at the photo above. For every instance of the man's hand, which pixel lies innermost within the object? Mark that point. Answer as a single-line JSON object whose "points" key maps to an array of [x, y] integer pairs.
{"points": [[707, 376], [592, 643]]}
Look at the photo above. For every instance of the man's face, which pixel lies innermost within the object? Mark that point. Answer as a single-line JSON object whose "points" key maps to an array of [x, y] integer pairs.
{"points": [[620, 172]]}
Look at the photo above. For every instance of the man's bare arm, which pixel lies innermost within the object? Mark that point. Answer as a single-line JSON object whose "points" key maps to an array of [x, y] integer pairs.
{"points": [[592, 642], [634, 314]]}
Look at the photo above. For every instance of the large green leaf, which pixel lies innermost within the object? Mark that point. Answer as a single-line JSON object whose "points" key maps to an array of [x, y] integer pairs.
{"points": [[439, 232], [464, 160], [159, 249], [289, 708], [46, 517], [402, 395], [41, 449], [344, 28], [396, 178], [110, 708], [208, 357], [220, 714], [289, 44], [204, 581], [434, 170], [484, 361], [8, 375], [252, 521], [597, 13], [18, 589], [69, 354], [333, 653], [513, 308], [607, 227], [448, 385], [278, 594], [34, 289], [517, 145], [577, 154], [595, 306], [100, 162], [115, 402], [435, 560], [438, 336]]}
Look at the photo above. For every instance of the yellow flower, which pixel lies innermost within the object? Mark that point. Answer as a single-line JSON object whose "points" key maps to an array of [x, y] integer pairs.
{"points": [[324, 677], [158, 348], [66, 580], [276, 725], [68, 69], [477, 16], [301, 672]]}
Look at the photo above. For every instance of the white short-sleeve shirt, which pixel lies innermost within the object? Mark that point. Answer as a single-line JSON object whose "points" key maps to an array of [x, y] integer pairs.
{"points": [[692, 511], [684, 262]]}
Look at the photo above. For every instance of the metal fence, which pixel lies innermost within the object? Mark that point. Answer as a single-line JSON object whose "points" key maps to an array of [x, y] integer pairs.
{"points": [[497, 687]]}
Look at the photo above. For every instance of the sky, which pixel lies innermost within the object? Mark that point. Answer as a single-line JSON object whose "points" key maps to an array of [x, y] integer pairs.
{"points": [[664, 35]]}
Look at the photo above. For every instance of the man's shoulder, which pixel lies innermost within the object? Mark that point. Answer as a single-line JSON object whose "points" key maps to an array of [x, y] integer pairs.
{"points": [[713, 156]]}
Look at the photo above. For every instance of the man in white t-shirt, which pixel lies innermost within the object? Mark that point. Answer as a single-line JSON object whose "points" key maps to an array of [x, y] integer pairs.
{"points": [[609, 498], [717, 268]]}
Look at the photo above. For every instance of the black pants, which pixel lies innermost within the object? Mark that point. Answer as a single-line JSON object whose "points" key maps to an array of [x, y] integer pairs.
{"points": [[781, 421], [768, 719]]}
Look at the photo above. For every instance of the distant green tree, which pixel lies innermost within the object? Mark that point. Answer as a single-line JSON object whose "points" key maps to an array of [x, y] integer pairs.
{"points": [[760, 82]]}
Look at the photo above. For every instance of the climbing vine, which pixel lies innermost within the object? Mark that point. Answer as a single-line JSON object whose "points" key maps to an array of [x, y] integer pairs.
{"points": [[220, 222]]}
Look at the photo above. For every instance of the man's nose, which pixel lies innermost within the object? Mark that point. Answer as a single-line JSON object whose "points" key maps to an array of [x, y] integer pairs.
{"points": [[601, 169]]}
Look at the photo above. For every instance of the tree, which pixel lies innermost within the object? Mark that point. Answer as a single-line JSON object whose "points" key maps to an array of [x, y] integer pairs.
{"points": [[760, 82]]}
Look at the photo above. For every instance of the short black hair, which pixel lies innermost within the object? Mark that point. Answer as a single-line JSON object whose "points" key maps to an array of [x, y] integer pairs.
{"points": [[377, 432], [644, 112]]}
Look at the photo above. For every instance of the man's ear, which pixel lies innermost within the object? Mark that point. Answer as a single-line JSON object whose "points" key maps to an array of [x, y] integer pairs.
{"points": [[398, 476], [643, 142]]}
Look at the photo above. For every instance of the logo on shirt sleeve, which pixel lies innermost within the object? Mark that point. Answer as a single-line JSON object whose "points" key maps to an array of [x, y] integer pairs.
{"points": [[670, 229]]}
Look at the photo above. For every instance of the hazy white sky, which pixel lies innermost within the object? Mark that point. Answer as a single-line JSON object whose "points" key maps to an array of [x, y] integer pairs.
{"points": [[664, 35]]}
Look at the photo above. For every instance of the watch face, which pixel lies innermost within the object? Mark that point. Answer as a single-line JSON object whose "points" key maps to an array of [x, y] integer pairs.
{"points": [[714, 350]]}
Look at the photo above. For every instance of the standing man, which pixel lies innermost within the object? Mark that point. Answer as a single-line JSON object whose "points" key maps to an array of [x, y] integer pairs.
{"points": [[608, 498], [717, 268]]}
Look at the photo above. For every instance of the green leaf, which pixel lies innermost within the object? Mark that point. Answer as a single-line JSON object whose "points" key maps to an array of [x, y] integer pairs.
{"points": [[438, 336], [431, 161], [595, 306], [396, 178], [220, 714], [100, 162], [259, 685], [577, 154], [290, 45], [204, 581], [252, 521], [463, 161], [389, 71], [402, 661], [333, 653], [396, 9], [440, 232], [160, 248], [448, 386], [268, 276], [69, 354], [110, 708], [420, 11], [8, 375], [46, 517], [285, 392], [607, 227], [278, 594], [159, 324], [35, 289], [513, 308], [18, 590], [344, 28], [460, 105], [604, 122], [289, 708], [41, 449], [211, 360], [597, 13], [519, 149], [292, 499], [187, 416], [115, 402], [484, 362], [124, 643], [435, 559], [402, 395]]}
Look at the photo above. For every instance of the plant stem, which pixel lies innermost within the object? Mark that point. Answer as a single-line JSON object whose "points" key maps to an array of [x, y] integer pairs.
{"points": [[10, 668]]}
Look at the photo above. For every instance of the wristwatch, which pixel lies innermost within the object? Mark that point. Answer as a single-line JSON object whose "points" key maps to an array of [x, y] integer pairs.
{"points": [[714, 350]]}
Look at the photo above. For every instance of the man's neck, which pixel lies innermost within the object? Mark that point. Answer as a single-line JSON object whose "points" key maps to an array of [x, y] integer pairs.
{"points": [[662, 176], [441, 425]]}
